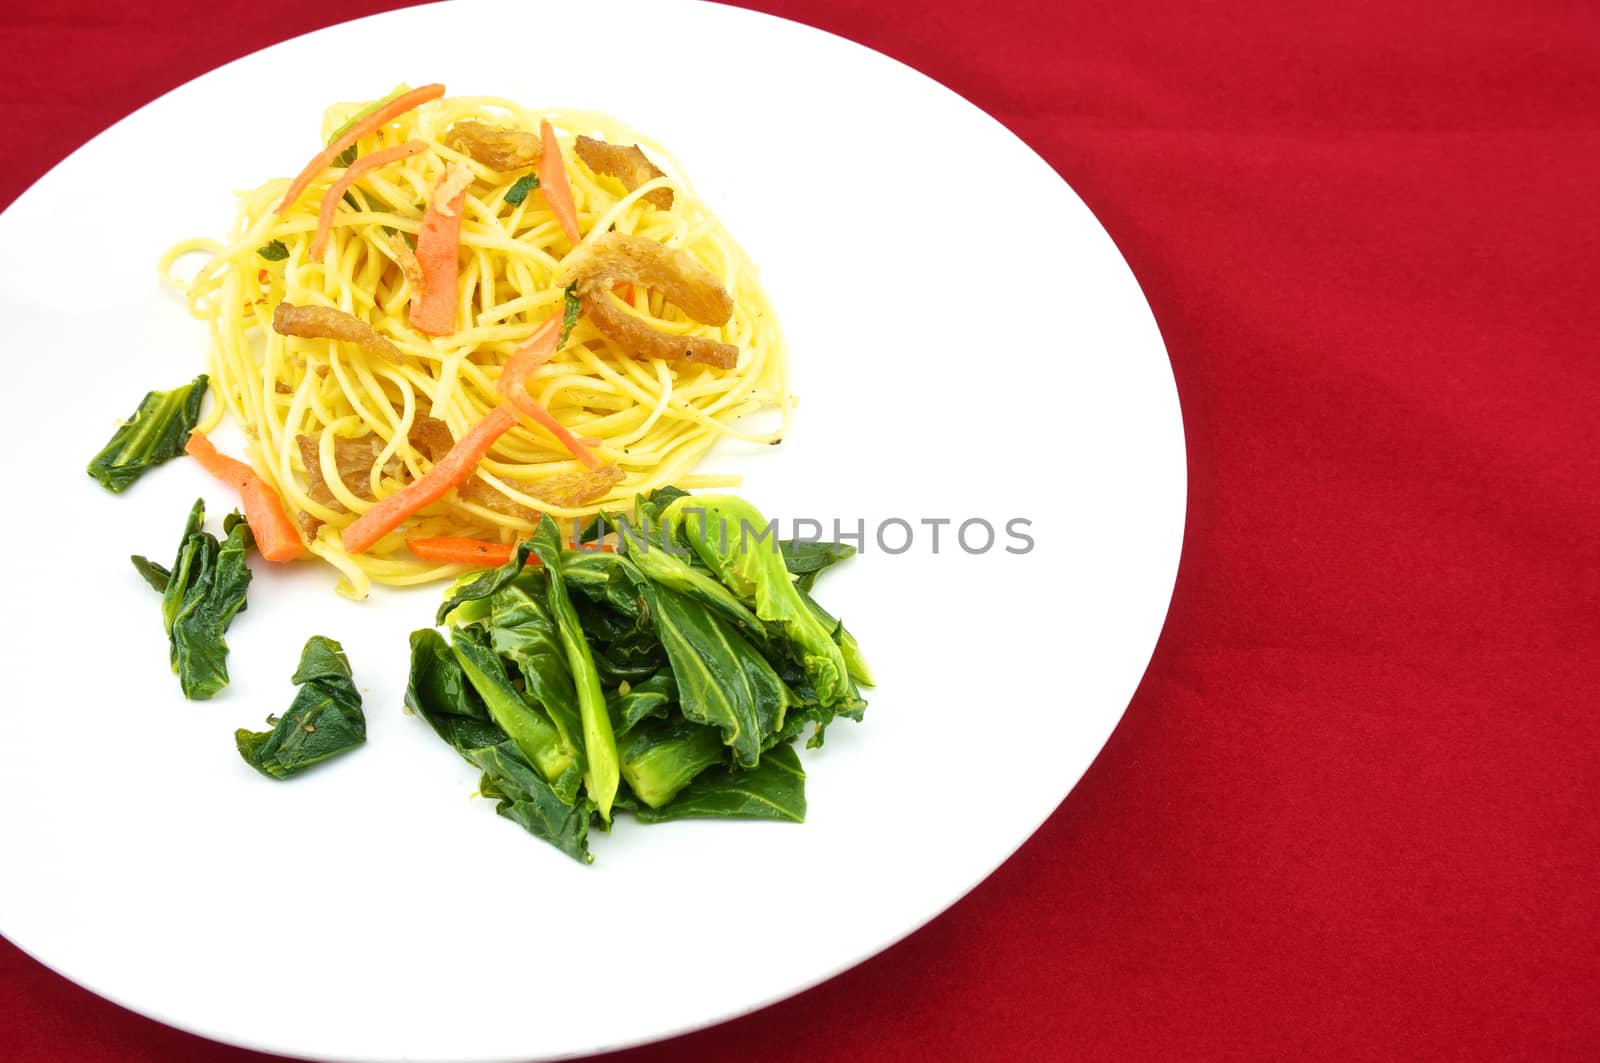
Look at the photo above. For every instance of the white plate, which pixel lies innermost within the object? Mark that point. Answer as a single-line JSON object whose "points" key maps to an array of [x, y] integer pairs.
{"points": [[967, 343]]}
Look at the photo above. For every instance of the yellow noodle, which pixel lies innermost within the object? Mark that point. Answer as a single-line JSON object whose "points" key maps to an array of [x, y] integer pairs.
{"points": [[655, 419]]}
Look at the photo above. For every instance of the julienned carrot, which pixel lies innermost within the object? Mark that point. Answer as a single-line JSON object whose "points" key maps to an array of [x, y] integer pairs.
{"points": [[377, 119], [454, 550], [275, 534], [371, 108], [528, 407], [433, 305], [553, 182], [454, 468], [228, 470], [513, 384], [330, 198], [533, 353]]}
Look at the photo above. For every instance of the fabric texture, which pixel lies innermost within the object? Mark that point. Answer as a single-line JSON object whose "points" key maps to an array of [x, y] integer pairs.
{"points": [[1352, 811]]}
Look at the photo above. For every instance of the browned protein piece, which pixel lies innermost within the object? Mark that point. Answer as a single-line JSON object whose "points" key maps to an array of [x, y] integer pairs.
{"points": [[617, 258], [567, 490], [629, 165], [326, 323], [354, 458], [498, 149], [430, 436]]}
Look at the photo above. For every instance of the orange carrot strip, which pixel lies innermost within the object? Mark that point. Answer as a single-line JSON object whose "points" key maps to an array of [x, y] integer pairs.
{"points": [[513, 384], [433, 306], [528, 407], [372, 122], [533, 353], [454, 550], [452, 470], [275, 534], [229, 470], [553, 182], [330, 198]]}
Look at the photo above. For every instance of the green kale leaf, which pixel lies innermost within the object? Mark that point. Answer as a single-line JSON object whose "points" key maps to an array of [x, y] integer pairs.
{"points": [[324, 720], [155, 433], [200, 595], [527, 800], [774, 789]]}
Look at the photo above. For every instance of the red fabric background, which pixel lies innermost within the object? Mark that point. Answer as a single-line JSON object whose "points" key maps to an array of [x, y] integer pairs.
{"points": [[1354, 810]]}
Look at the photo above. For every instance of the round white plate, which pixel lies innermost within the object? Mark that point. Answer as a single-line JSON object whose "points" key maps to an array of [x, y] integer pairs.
{"points": [[967, 345]]}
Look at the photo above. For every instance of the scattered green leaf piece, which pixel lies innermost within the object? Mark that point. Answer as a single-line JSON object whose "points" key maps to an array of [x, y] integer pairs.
{"points": [[324, 720], [572, 307], [520, 188], [204, 589], [154, 434]]}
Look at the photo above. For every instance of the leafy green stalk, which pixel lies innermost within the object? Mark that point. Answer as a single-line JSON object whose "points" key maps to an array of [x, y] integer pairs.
{"points": [[540, 743], [527, 800], [669, 569], [660, 758], [684, 670], [599, 743], [722, 539], [324, 720], [155, 433], [438, 690], [775, 789], [723, 681], [522, 632], [803, 558], [855, 661], [615, 617]]}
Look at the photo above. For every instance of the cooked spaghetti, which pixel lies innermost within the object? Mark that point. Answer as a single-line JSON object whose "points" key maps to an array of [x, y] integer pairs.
{"points": [[351, 384]]}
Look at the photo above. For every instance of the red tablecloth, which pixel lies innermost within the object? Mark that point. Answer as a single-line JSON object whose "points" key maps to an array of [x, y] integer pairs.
{"points": [[1354, 810]]}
